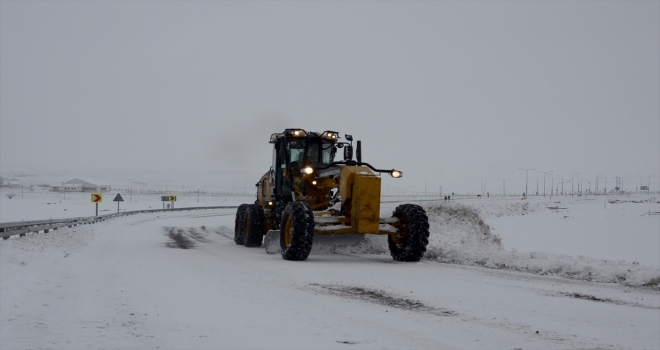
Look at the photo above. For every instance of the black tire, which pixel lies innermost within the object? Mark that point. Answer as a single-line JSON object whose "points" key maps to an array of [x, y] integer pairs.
{"points": [[253, 226], [410, 241], [277, 214], [297, 231], [239, 237]]}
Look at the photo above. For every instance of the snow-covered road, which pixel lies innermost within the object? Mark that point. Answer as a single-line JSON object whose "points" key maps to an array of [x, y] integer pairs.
{"points": [[125, 284]]}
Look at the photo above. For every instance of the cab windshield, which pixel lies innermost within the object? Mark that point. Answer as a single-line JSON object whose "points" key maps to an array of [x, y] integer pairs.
{"points": [[300, 153], [303, 153]]}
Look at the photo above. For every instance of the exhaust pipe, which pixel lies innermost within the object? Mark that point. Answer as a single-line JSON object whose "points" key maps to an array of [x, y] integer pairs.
{"points": [[358, 151]]}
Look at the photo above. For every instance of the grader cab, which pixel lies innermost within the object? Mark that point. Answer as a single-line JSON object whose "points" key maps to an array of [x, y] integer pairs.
{"points": [[307, 196]]}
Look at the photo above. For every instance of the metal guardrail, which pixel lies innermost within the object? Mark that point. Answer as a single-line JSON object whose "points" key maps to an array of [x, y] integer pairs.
{"points": [[8, 229]]}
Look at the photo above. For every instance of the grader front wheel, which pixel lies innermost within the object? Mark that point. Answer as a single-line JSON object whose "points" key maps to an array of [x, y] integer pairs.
{"points": [[297, 231], [410, 240]]}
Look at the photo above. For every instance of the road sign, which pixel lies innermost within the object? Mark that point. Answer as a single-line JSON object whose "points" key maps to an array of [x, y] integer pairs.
{"points": [[172, 198], [644, 188], [164, 198], [118, 199], [616, 188], [97, 197]]}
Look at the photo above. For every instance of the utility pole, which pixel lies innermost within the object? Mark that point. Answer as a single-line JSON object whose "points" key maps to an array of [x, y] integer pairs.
{"points": [[552, 186], [573, 182], [526, 178], [545, 173]]}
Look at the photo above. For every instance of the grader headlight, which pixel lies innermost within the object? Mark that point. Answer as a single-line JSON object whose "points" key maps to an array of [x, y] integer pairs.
{"points": [[308, 170], [295, 133], [396, 174], [330, 135]]}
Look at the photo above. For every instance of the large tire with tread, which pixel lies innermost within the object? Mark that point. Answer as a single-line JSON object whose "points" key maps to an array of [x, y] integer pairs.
{"points": [[297, 231], [253, 226], [278, 208], [410, 241], [239, 236]]}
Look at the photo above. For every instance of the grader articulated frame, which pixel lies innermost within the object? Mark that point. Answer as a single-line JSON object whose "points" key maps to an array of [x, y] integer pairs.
{"points": [[307, 196]]}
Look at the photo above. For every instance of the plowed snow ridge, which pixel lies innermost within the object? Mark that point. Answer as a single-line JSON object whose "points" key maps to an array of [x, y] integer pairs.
{"points": [[459, 235]]}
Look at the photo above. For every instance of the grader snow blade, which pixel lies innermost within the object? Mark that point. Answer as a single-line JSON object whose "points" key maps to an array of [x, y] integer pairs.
{"points": [[272, 241]]}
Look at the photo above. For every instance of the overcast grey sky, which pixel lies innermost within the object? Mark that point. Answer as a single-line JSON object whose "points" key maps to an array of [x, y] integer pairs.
{"points": [[449, 92]]}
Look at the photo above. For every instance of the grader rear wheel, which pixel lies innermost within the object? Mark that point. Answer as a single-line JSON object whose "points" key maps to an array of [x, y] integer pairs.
{"points": [[254, 226], [239, 237], [297, 231], [410, 240]]}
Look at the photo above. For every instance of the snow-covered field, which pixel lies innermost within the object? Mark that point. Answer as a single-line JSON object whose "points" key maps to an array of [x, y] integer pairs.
{"points": [[499, 273]]}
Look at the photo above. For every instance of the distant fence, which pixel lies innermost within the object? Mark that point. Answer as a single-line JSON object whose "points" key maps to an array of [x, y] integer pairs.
{"points": [[21, 228]]}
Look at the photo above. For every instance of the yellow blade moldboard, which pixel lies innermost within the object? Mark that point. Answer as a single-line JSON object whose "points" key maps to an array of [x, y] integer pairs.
{"points": [[365, 213]]}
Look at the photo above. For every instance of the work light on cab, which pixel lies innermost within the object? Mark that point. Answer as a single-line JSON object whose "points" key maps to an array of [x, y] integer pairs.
{"points": [[330, 135], [295, 133]]}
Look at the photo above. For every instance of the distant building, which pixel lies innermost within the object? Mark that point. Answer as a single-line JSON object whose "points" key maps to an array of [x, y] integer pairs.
{"points": [[67, 188], [78, 185], [13, 184]]}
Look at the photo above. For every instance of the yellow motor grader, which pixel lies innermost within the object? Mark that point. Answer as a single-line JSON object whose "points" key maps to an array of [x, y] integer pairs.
{"points": [[307, 195]]}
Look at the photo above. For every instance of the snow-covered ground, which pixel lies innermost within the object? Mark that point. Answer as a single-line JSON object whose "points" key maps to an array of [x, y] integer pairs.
{"points": [[52, 205], [499, 273]]}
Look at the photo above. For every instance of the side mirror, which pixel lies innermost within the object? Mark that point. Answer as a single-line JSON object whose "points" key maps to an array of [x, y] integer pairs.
{"points": [[349, 137], [348, 152]]}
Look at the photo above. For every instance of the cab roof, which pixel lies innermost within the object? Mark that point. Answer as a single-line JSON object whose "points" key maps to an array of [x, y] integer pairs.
{"points": [[328, 135]]}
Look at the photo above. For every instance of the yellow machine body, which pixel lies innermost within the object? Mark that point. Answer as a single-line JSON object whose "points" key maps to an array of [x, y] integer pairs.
{"points": [[307, 197], [359, 189]]}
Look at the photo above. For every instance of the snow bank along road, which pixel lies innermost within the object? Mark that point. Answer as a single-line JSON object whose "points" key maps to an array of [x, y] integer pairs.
{"points": [[131, 283]]}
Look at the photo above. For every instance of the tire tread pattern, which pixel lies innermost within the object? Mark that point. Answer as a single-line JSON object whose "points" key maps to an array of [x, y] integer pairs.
{"points": [[302, 236], [414, 218], [239, 237], [255, 236]]}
